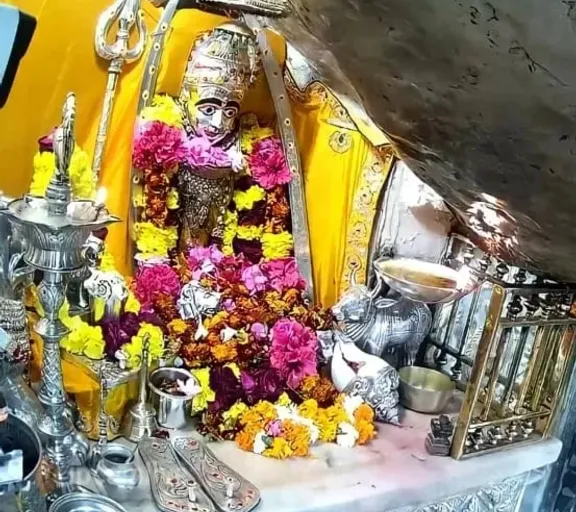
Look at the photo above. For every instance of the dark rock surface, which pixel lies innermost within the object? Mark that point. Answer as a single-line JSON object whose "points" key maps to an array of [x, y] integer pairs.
{"points": [[478, 97]]}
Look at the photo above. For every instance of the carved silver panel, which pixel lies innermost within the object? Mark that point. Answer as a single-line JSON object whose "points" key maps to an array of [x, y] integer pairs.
{"points": [[504, 496]]}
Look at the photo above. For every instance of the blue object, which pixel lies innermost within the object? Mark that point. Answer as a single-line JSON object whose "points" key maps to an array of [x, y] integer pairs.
{"points": [[16, 30]]}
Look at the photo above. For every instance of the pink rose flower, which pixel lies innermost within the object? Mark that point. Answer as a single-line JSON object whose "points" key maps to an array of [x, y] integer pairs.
{"points": [[157, 145], [267, 163], [254, 279], [274, 428], [294, 351], [152, 280], [283, 273]]}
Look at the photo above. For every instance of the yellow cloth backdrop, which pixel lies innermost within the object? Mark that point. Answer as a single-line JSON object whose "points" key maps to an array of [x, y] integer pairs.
{"points": [[343, 170]]}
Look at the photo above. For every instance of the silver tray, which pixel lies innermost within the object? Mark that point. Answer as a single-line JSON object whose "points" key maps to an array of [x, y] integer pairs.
{"points": [[226, 488], [169, 481], [85, 502]]}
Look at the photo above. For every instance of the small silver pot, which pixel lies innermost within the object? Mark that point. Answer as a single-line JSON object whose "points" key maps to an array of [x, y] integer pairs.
{"points": [[172, 411], [118, 472], [424, 390]]}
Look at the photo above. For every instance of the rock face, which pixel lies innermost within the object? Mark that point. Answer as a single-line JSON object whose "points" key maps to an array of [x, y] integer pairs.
{"points": [[478, 97]]}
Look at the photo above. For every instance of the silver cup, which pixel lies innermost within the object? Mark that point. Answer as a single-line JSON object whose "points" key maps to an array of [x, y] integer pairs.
{"points": [[172, 411]]}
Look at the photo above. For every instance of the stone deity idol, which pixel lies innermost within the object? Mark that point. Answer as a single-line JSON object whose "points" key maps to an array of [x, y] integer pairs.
{"points": [[222, 67]]}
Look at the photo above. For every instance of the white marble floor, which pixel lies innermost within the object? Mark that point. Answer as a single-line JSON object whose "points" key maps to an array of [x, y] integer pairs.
{"points": [[393, 471]]}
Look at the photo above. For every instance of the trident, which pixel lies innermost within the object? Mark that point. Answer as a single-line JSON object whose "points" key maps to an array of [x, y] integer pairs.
{"points": [[127, 14]]}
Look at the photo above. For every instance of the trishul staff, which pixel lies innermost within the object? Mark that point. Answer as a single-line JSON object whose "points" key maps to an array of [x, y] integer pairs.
{"points": [[129, 19]]}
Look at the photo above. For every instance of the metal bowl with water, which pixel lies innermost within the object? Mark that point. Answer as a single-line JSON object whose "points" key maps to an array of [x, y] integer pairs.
{"points": [[426, 282], [424, 390]]}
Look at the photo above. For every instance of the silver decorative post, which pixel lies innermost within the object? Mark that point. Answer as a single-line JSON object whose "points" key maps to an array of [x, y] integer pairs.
{"points": [[55, 229], [127, 14]]}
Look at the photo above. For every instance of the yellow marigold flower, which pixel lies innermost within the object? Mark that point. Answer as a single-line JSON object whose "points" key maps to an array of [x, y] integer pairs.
{"points": [[252, 132], [84, 339], [173, 199], [328, 428], [232, 415], [249, 232], [154, 241], [95, 345], [280, 449], [177, 326], [230, 227], [164, 109], [245, 200], [277, 245], [107, 263], [133, 350], [224, 352], [308, 409], [206, 395], [132, 304], [139, 200], [284, 399], [337, 414]]}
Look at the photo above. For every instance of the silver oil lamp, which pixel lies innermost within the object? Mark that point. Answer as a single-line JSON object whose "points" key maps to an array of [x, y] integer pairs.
{"points": [[54, 229]]}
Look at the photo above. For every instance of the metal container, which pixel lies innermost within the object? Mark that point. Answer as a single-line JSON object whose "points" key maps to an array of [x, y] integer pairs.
{"points": [[85, 502], [421, 281], [424, 390], [172, 411], [118, 472]]}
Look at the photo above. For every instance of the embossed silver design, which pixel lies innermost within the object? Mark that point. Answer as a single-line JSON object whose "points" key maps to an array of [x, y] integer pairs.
{"points": [[499, 497], [55, 230], [86, 502], [170, 483], [379, 326], [229, 491]]}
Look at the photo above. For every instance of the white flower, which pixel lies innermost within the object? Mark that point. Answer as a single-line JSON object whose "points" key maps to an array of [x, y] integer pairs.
{"points": [[347, 435], [189, 388], [227, 334], [122, 358], [351, 403], [313, 429], [286, 412], [259, 444]]}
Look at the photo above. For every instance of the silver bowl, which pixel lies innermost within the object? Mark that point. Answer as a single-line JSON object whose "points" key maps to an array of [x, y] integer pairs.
{"points": [[426, 282], [424, 390], [85, 502]]}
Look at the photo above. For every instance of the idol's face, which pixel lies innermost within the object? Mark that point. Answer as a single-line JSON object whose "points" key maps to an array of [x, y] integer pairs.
{"points": [[216, 118]]}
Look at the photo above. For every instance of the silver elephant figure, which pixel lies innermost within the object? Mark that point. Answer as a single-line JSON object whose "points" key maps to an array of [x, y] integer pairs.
{"points": [[383, 326]]}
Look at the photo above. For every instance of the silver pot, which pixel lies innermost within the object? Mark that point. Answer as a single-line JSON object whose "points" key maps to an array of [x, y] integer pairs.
{"points": [[172, 411], [118, 472], [85, 502]]}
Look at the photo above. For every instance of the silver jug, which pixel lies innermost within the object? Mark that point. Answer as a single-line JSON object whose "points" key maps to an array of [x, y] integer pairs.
{"points": [[118, 472], [172, 411]]}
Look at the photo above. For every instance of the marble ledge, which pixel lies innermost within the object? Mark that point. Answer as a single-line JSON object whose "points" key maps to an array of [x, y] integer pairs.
{"points": [[393, 471]]}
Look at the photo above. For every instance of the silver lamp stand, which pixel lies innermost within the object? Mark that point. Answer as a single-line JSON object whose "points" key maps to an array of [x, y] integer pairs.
{"points": [[54, 230]]}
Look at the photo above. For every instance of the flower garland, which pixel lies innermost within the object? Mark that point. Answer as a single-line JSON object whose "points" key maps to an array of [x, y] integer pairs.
{"points": [[254, 349]]}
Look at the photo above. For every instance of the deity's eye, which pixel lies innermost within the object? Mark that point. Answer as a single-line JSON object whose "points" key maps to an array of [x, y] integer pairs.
{"points": [[230, 112], [207, 110]]}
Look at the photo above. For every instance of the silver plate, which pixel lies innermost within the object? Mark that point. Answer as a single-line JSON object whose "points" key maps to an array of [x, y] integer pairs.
{"points": [[216, 477], [84, 502], [169, 481]]}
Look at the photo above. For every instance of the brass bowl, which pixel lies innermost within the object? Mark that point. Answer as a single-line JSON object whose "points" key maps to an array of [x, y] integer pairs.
{"points": [[424, 390], [426, 282]]}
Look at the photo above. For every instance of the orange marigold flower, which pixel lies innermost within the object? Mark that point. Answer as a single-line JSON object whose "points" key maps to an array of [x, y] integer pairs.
{"points": [[298, 437], [366, 431], [364, 413], [245, 439], [177, 326], [224, 352], [195, 354]]}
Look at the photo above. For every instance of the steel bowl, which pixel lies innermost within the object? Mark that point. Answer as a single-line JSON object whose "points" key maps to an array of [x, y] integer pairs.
{"points": [[172, 411], [424, 390], [426, 282], [85, 502]]}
